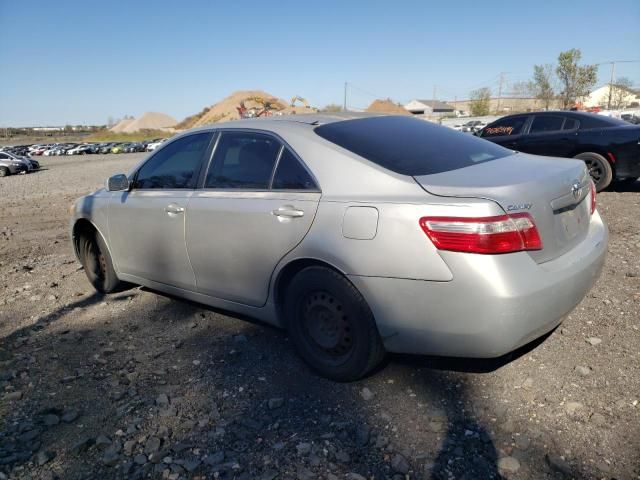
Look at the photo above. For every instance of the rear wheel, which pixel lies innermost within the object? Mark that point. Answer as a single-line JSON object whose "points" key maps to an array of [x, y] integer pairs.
{"points": [[4, 172], [97, 263], [599, 169], [331, 325]]}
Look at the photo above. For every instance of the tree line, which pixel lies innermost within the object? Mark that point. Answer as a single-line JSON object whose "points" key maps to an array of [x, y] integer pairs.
{"points": [[566, 82]]}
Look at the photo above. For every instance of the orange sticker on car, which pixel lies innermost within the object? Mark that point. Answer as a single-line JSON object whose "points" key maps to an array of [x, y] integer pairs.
{"points": [[499, 130]]}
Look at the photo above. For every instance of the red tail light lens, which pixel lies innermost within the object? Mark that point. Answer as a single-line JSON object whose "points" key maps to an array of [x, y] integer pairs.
{"points": [[499, 234], [593, 197]]}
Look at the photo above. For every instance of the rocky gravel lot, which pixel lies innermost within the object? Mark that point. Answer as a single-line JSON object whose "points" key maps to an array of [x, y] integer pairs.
{"points": [[138, 385]]}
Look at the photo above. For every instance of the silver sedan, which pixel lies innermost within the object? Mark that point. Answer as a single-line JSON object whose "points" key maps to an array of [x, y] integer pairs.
{"points": [[358, 234]]}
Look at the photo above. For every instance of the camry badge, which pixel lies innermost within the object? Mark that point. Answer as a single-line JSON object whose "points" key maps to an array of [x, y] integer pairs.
{"points": [[576, 191], [519, 206]]}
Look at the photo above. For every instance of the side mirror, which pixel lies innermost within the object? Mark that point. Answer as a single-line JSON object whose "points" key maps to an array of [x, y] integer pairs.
{"points": [[118, 183]]}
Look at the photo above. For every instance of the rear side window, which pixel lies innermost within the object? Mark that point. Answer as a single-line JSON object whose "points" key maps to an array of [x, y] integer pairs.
{"points": [[175, 166], [291, 175], [546, 123], [243, 160], [505, 126], [570, 124], [410, 146]]}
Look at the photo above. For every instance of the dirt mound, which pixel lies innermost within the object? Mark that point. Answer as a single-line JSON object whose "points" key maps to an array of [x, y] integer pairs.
{"points": [[148, 121], [122, 124], [387, 106], [151, 121], [226, 109]]}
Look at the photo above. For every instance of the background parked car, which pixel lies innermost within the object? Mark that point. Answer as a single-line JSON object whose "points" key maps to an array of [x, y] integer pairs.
{"points": [[609, 146], [155, 144], [631, 118], [78, 150], [119, 147], [473, 126], [11, 166], [106, 147]]}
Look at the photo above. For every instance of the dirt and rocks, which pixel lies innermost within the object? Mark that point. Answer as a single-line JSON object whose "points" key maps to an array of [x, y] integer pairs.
{"points": [[138, 385]]}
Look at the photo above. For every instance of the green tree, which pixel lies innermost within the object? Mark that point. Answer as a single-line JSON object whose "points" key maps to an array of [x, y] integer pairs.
{"points": [[542, 84], [480, 101], [522, 89], [619, 93], [577, 80]]}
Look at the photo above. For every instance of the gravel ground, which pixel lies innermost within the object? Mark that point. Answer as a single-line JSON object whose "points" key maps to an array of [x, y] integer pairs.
{"points": [[138, 385]]}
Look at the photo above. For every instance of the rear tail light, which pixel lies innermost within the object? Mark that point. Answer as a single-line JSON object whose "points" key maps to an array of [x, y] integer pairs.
{"points": [[593, 196], [499, 234]]}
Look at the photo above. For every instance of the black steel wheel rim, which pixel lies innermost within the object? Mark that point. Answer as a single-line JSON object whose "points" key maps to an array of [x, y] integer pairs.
{"points": [[326, 325]]}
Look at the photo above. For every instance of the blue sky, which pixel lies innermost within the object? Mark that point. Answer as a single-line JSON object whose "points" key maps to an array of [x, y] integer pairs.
{"points": [[84, 61]]}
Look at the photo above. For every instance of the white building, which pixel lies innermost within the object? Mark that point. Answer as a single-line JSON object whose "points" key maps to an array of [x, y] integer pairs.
{"points": [[429, 108], [600, 98]]}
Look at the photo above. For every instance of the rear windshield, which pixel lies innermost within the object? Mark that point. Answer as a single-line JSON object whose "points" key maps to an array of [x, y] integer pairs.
{"points": [[593, 120], [410, 146]]}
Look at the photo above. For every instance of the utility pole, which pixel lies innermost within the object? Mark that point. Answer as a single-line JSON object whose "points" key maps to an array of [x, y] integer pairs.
{"points": [[613, 71], [344, 105], [434, 92], [500, 91]]}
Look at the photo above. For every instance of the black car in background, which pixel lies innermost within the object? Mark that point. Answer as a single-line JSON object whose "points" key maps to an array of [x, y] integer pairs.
{"points": [[610, 147]]}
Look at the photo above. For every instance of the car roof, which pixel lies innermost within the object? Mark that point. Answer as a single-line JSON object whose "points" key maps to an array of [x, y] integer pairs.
{"points": [[267, 123]]}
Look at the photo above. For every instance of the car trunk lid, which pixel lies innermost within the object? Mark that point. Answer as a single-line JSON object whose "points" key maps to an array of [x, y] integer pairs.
{"points": [[554, 191]]}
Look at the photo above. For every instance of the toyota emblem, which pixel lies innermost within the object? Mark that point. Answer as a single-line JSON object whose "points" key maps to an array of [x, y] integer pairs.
{"points": [[576, 191]]}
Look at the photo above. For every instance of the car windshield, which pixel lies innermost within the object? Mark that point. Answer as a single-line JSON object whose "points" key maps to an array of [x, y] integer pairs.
{"points": [[410, 146]]}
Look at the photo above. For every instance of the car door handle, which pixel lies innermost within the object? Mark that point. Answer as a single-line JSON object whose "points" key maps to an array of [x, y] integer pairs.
{"points": [[173, 209], [288, 211]]}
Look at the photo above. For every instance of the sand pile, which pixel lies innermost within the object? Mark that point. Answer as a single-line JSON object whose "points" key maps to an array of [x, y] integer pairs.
{"points": [[387, 106], [225, 110], [122, 124], [151, 121]]}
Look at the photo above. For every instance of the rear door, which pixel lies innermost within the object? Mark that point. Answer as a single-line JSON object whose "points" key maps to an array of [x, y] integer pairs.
{"points": [[506, 131], [547, 135], [257, 203]]}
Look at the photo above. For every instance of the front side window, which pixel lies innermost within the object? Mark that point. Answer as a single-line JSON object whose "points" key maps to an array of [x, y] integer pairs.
{"points": [[176, 166], [243, 160], [291, 175], [504, 126], [546, 123]]}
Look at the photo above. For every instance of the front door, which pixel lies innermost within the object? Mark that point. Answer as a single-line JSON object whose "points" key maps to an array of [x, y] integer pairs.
{"points": [[257, 204], [506, 131], [146, 224]]}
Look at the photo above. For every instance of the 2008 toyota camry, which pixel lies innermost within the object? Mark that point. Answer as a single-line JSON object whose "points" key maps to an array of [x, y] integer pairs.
{"points": [[359, 234]]}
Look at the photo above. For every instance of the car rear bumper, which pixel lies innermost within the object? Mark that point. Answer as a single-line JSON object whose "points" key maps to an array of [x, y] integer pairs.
{"points": [[493, 305]]}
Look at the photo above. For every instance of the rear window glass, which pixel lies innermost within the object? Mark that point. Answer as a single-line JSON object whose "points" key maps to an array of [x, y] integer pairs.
{"points": [[410, 146]]}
